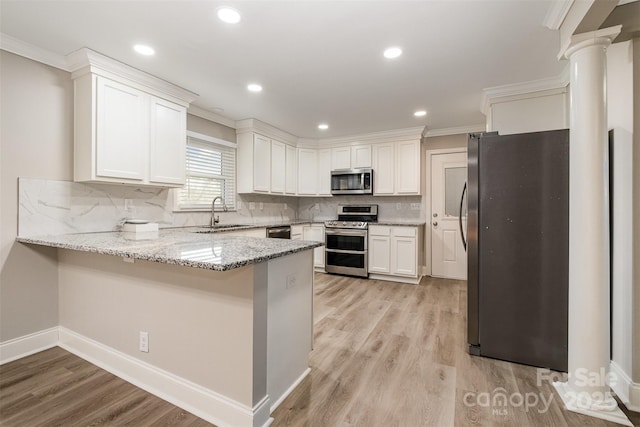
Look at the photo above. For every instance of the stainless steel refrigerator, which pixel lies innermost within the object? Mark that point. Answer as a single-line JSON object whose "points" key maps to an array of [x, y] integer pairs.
{"points": [[518, 247]]}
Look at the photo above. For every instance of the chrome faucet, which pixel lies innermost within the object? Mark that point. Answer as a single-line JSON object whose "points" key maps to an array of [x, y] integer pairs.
{"points": [[216, 219]]}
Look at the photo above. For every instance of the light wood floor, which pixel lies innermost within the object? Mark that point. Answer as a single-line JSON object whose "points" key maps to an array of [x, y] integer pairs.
{"points": [[385, 354]]}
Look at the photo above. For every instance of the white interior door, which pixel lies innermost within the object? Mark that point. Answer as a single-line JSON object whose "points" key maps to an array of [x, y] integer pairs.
{"points": [[448, 176]]}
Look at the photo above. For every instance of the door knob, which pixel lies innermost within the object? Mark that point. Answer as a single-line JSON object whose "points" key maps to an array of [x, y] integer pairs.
{"points": [[435, 223]]}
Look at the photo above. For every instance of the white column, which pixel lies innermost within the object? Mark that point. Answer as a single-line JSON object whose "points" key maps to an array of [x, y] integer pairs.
{"points": [[586, 390]]}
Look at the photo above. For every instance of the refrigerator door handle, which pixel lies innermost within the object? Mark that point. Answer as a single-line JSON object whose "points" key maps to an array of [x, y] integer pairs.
{"points": [[464, 240]]}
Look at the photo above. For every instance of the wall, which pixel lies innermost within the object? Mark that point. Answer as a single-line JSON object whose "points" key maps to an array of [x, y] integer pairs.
{"points": [[620, 119], [36, 141], [207, 127], [532, 112]]}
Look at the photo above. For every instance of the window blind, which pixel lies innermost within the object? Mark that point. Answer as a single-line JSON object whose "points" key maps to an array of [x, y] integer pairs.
{"points": [[211, 172]]}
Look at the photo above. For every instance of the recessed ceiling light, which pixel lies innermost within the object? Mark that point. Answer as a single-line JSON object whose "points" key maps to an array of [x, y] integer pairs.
{"points": [[229, 15], [323, 126], [144, 49], [420, 113], [253, 87], [392, 52]]}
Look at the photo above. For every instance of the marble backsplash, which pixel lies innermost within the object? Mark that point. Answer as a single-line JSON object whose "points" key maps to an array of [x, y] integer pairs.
{"points": [[60, 207], [407, 208], [49, 207]]}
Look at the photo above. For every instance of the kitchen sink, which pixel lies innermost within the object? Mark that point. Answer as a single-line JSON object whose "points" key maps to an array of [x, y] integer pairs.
{"points": [[213, 229]]}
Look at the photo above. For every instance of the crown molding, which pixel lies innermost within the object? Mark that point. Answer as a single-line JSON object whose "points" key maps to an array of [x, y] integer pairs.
{"points": [[578, 41], [556, 13], [375, 137], [35, 53], [255, 125], [456, 130], [85, 60], [211, 116], [490, 94]]}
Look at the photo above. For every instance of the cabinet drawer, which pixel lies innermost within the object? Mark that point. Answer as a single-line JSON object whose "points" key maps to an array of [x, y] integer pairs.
{"points": [[379, 230], [404, 231]]}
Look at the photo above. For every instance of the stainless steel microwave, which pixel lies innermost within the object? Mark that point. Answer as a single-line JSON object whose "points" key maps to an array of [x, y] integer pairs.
{"points": [[352, 181]]}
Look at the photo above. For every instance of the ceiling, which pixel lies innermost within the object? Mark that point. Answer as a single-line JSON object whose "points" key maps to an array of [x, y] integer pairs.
{"points": [[318, 61]]}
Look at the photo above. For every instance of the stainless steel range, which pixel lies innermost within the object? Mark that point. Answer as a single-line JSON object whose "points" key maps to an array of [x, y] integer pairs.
{"points": [[346, 240]]}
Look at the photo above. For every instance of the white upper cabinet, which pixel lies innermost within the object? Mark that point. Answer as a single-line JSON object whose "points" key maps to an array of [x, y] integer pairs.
{"points": [[351, 157], [407, 167], [121, 131], [261, 164], [278, 167], [341, 158], [168, 125], [396, 168], [324, 172], [127, 130], [360, 156], [307, 171], [265, 165], [383, 169], [135, 138], [291, 166]]}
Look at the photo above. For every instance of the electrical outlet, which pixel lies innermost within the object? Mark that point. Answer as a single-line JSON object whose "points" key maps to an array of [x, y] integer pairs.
{"points": [[285, 206], [128, 205], [261, 205], [144, 342], [291, 281], [398, 206], [252, 206], [415, 206]]}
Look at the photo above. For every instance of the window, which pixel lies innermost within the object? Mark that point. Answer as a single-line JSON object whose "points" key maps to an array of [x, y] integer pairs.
{"points": [[211, 172]]}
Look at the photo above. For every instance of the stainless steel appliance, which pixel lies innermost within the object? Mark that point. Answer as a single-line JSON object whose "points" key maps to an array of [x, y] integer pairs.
{"points": [[279, 232], [352, 181], [518, 247], [346, 240]]}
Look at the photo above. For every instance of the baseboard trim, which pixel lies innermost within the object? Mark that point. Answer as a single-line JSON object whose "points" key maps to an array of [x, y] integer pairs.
{"points": [[568, 397], [27, 345], [399, 279], [290, 389], [200, 401], [625, 389]]}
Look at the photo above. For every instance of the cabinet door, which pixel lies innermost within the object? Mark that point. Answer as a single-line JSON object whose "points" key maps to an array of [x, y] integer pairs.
{"points": [[307, 171], [315, 233], [291, 174], [408, 167], [404, 256], [361, 156], [278, 163], [168, 142], [341, 158], [379, 254], [261, 163], [324, 172], [383, 169], [122, 131]]}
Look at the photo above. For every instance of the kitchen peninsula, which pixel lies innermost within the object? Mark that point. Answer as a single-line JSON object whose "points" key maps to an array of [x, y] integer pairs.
{"points": [[229, 319]]}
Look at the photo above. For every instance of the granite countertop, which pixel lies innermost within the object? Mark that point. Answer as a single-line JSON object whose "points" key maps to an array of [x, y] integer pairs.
{"points": [[211, 251], [399, 222], [222, 227]]}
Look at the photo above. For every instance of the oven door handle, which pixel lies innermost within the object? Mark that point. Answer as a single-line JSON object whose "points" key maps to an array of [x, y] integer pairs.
{"points": [[341, 251], [362, 233]]}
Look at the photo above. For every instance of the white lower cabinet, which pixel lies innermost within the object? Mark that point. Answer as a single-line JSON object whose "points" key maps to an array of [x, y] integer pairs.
{"points": [[393, 252], [296, 232], [315, 232], [379, 254]]}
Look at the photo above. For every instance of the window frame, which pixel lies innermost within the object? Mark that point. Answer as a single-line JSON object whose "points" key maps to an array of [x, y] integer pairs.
{"points": [[216, 142]]}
